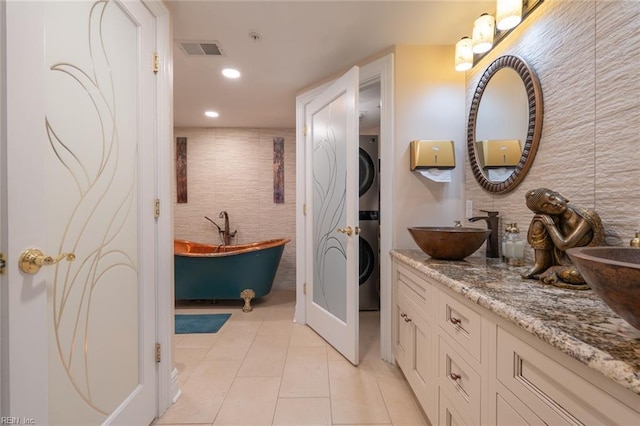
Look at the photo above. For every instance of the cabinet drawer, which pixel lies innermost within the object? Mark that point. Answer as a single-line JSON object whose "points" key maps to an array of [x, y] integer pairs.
{"points": [[402, 334], [416, 290], [462, 323], [508, 416], [415, 353], [448, 414], [460, 382], [556, 394]]}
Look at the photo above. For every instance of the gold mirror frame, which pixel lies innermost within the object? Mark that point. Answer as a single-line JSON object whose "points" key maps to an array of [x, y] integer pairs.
{"points": [[534, 95]]}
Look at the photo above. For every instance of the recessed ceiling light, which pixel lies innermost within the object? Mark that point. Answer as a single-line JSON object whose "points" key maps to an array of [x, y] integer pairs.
{"points": [[231, 73], [211, 114]]}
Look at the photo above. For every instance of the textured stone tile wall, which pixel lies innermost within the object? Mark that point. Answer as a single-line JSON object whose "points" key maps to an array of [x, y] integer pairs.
{"points": [[585, 53], [232, 170]]}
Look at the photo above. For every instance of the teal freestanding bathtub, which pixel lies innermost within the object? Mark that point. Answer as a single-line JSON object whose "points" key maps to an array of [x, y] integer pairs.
{"points": [[204, 271]]}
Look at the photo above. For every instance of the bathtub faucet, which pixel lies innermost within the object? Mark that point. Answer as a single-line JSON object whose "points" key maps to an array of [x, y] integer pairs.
{"points": [[220, 231], [226, 235], [492, 225]]}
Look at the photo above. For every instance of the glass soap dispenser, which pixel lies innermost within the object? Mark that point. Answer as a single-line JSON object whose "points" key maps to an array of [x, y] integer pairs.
{"points": [[514, 247], [505, 237]]}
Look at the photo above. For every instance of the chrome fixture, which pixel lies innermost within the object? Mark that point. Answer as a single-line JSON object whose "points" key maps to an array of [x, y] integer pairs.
{"points": [[492, 224], [224, 233]]}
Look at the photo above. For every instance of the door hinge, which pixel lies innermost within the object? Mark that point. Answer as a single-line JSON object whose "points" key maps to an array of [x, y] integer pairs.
{"points": [[156, 63], [156, 208], [304, 288], [305, 129], [304, 209], [3, 263], [158, 352]]}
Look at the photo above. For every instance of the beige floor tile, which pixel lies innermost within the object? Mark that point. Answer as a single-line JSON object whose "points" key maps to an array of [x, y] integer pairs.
{"points": [[266, 357], [355, 395], [183, 424], [257, 315], [177, 338], [200, 340], [276, 327], [261, 368], [234, 343], [251, 400], [186, 360], [203, 393], [305, 373], [281, 314], [333, 354], [279, 299], [303, 411], [379, 368], [301, 335], [401, 403]]}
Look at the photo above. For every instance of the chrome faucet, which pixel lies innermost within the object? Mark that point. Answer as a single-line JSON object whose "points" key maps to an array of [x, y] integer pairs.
{"points": [[226, 235], [493, 250]]}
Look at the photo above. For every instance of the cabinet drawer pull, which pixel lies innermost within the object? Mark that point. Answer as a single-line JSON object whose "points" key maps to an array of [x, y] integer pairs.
{"points": [[455, 376], [407, 319], [403, 315], [455, 321]]}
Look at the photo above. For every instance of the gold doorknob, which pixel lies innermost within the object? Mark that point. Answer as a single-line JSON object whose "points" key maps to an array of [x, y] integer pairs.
{"points": [[31, 260], [348, 230]]}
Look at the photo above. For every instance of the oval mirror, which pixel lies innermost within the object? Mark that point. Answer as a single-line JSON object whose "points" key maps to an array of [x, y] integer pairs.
{"points": [[505, 124]]}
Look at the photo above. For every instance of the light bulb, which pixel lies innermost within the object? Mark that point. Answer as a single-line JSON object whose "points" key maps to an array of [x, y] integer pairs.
{"points": [[231, 73]]}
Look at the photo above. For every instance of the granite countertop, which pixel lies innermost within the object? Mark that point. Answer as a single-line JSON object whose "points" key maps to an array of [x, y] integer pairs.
{"points": [[577, 322]]}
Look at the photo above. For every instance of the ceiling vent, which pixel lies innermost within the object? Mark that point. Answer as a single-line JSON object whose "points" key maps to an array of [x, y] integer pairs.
{"points": [[201, 48]]}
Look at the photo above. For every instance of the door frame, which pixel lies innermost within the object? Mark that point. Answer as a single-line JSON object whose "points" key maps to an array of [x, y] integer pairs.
{"points": [[168, 390], [378, 70], [166, 374]]}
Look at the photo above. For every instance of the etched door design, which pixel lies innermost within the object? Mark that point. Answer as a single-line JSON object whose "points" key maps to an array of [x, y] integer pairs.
{"points": [[90, 158], [332, 283]]}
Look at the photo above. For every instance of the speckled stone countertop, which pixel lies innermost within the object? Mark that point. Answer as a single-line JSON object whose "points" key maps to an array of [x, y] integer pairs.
{"points": [[576, 322]]}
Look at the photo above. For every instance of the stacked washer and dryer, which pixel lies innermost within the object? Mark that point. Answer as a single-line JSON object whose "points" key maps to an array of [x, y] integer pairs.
{"points": [[369, 224]]}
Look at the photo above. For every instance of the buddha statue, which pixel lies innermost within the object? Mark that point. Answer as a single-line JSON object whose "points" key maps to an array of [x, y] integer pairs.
{"points": [[556, 227]]}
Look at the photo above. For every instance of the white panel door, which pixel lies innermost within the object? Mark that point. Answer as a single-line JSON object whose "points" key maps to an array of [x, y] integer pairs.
{"points": [[332, 214], [79, 339]]}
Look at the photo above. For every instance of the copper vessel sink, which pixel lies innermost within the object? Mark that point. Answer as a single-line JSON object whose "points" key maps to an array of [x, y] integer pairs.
{"points": [[448, 243], [613, 273]]}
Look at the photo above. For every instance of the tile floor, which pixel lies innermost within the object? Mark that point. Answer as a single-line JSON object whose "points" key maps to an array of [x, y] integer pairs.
{"points": [[263, 369]]}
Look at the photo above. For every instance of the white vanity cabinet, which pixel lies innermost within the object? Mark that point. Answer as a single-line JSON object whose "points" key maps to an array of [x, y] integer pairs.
{"points": [[413, 334], [467, 365]]}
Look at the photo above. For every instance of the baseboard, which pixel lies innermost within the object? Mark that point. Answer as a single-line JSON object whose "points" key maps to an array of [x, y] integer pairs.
{"points": [[175, 386]]}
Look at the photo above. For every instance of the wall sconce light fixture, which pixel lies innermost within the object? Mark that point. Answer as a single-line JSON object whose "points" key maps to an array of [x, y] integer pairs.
{"points": [[484, 28], [464, 54], [508, 14], [489, 31]]}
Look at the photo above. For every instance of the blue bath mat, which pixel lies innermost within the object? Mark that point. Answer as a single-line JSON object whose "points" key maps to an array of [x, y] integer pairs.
{"points": [[200, 323]]}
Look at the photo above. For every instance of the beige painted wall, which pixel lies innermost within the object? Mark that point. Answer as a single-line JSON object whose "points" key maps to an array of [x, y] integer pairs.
{"points": [[428, 104], [232, 170], [586, 55]]}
